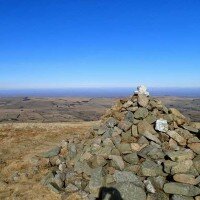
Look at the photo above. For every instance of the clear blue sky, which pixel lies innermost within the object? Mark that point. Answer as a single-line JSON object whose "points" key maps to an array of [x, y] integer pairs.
{"points": [[99, 43]]}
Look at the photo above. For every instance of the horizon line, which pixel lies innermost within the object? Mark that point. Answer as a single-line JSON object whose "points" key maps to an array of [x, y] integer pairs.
{"points": [[98, 87]]}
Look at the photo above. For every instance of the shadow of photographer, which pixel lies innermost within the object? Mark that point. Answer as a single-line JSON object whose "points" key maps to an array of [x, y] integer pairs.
{"points": [[109, 194]]}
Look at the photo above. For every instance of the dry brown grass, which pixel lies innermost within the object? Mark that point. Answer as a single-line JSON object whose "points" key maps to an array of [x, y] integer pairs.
{"points": [[19, 143]]}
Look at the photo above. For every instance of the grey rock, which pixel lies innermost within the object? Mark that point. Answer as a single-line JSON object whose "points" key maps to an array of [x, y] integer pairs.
{"points": [[184, 133], [126, 136], [181, 197], [82, 167], [124, 148], [156, 154], [118, 161], [116, 131], [181, 189], [129, 191], [115, 151], [109, 179], [142, 140], [151, 118], [96, 181], [71, 188], [144, 152], [144, 126], [128, 104], [125, 125], [111, 122], [134, 131], [196, 162], [107, 133], [158, 181], [150, 168], [72, 150], [193, 140], [150, 136], [190, 128], [159, 195], [98, 161], [177, 137], [129, 116], [127, 177], [186, 178], [102, 129], [181, 167], [181, 155], [108, 142], [168, 117], [58, 181], [195, 147], [131, 158], [104, 151], [168, 164], [132, 108], [141, 113], [70, 177], [48, 178], [116, 140], [53, 152]]}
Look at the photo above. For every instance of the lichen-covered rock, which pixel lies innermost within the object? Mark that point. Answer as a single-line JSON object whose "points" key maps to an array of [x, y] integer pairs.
{"points": [[125, 125], [181, 155], [127, 177], [177, 137], [131, 158], [186, 178], [150, 168], [141, 113], [190, 128], [51, 153], [144, 126], [181, 197], [195, 147], [181, 189], [118, 161], [129, 191], [96, 181]]}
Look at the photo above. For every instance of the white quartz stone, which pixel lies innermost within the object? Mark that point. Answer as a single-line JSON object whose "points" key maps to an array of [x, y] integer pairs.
{"points": [[161, 125], [142, 90], [150, 188]]}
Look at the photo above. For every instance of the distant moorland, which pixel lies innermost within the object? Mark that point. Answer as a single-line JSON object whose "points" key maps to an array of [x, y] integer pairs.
{"points": [[55, 109]]}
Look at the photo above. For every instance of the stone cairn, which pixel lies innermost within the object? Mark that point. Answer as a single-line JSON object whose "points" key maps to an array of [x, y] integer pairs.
{"points": [[141, 149]]}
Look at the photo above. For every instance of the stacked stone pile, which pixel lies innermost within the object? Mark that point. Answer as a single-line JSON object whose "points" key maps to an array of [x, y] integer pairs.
{"points": [[141, 148]]}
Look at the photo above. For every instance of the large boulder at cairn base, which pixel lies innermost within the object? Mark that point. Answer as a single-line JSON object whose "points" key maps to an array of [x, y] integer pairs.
{"points": [[140, 150]]}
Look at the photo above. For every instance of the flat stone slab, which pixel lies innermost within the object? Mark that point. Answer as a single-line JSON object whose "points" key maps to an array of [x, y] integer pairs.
{"points": [[127, 177], [129, 191], [181, 189]]}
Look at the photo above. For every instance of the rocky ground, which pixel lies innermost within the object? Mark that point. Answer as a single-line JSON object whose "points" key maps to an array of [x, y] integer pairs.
{"points": [[29, 151], [141, 150], [20, 143]]}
